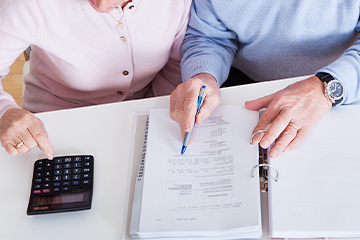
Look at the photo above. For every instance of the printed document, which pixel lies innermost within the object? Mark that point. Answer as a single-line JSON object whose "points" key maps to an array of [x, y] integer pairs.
{"points": [[208, 191]]}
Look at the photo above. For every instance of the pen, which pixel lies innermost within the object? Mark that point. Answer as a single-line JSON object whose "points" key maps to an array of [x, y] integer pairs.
{"points": [[188, 134]]}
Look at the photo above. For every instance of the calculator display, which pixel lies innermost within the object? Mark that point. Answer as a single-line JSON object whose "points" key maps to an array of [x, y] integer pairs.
{"points": [[62, 184]]}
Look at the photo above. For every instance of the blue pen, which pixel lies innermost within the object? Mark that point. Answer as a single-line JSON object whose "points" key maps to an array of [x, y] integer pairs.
{"points": [[188, 134]]}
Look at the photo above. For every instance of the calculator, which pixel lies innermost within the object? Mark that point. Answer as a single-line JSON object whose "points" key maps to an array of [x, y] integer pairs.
{"points": [[61, 184]]}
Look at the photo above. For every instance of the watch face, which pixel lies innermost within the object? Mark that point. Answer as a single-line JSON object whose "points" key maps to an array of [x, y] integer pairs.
{"points": [[335, 89]]}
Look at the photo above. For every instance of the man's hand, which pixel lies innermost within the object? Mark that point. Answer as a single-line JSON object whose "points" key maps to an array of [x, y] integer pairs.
{"points": [[290, 114], [21, 131], [183, 101]]}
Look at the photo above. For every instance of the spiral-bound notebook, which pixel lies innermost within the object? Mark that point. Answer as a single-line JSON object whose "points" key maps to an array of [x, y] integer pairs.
{"points": [[212, 192]]}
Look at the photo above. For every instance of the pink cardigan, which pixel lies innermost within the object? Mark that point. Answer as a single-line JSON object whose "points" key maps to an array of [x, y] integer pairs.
{"points": [[80, 57]]}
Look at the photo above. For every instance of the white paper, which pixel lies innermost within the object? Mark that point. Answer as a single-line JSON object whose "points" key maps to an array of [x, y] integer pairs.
{"points": [[318, 191], [208, 191]]}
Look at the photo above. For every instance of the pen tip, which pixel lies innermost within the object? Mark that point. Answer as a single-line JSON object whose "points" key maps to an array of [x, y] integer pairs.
{"points": [[183, 149]]}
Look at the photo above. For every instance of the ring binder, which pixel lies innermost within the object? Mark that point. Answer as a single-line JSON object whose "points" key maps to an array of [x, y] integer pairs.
{"points": [[263, 169], [266, 167], [259, 131]]}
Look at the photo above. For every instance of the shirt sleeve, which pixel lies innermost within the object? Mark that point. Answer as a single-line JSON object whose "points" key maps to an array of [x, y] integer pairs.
{"points": [[15, 32], [346, 69], [208, 47]]}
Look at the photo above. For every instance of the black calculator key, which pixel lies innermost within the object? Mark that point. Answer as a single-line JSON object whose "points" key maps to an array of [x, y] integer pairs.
{"points": [[77, 165], [67, 171], [39, 169], [58, 166], [66, 177], [76, 176], [75, 183], [48, 166], [40, 163], [39, 174], [58, 161], [77, 159], [66, 184], [68, 165], [68, 160]]}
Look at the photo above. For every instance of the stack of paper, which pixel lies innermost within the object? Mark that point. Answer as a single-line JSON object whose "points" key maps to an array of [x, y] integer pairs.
{"points": [[206, 193]]}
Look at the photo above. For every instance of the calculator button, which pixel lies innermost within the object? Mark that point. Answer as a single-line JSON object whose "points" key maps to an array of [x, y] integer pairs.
{"points": [[68, 160], [86, 176], [65, 184], [58, 161], [77, 159], [75, 183], [46, 185], [66, 177], [37, 186], [86, 164], [57, 184], [47, 180], [86, 182], [68, 165], [67, 171], [86, 170], [56, 189], [76, 170], [37, 191], [38, 180], [76, 177], [77, 165], [57, 178], [39, 169], [46, 190], [39, 163], [57, 172], [48, 166], [65, 189], [47, 174], [39, 174], [87, 159], [58, 166]]}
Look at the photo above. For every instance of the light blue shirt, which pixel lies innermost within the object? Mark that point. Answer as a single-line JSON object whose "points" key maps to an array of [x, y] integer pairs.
{"points": [[272, 39]]}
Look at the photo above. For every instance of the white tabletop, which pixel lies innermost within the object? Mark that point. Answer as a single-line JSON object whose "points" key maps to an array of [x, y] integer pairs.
{"points": [[106, 132]]}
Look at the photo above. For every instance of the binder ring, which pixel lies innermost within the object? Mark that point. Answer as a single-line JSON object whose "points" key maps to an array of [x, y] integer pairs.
{"points": [[266, 166], [259, 131]]}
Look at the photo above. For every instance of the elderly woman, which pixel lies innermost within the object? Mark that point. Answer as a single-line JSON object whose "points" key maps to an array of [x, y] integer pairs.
{"points": [[85, 52]]}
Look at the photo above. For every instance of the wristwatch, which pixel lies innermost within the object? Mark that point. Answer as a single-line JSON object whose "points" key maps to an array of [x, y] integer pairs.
{"points": [[334, 90]]}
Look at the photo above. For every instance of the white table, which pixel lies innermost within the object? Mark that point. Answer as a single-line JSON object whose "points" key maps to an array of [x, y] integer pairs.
{"points": [[106, 132]]}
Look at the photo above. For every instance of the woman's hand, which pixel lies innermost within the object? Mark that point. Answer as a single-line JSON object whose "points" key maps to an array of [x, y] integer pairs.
{"points": [[290, 114], [183, 101], [21, 131]]}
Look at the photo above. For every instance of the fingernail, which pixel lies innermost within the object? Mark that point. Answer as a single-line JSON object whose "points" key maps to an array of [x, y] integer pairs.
{"points": [[287, 149], [264, 143], [273, 153], [49, 156], [186, 127], [256, 139]]}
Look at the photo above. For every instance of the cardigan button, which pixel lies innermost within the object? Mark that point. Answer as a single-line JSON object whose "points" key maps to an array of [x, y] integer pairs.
{"points": [[125, 73], [120, 93]]}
